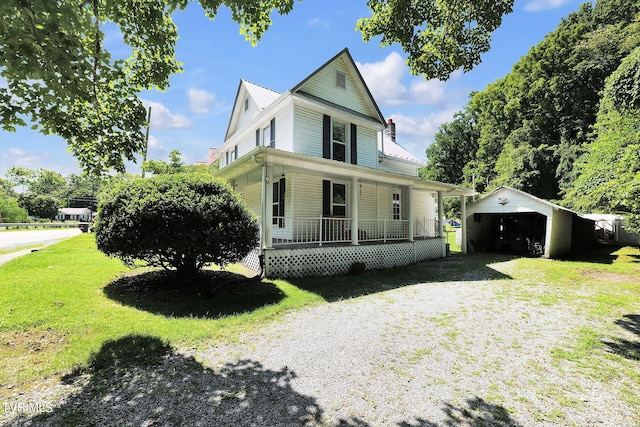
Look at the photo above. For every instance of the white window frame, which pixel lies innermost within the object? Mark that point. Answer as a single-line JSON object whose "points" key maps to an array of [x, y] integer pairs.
{"points": [[345, 142], [266, 136], [396, 205], [346, 198]]}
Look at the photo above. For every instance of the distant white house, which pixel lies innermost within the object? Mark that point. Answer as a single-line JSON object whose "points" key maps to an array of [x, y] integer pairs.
{"points": [[321, 167], [74, 214]]}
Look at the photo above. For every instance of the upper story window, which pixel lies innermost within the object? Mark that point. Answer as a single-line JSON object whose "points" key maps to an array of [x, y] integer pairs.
{"points": [[246, 104], [266, 136], [341, 80], [338, 142]]}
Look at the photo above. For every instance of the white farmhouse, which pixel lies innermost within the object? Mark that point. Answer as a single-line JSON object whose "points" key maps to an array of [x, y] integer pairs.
{"points": [[321, 168]]}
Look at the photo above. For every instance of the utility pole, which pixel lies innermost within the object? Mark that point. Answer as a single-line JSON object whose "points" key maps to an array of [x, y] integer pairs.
{"points": [[146, 141]]}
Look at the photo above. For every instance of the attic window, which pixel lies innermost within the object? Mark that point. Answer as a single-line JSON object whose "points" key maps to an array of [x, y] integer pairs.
{"points": [[246, 104], [341, 80]]}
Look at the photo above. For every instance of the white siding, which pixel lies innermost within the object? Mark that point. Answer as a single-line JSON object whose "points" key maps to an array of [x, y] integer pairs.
{"points": [[252, 195], [367, 201], [384, 202], [423, 205], [246, 140], [367, 147], [246, 117], [308, 137], [308, 194], [398, 166], [308, 132], [516, 202], [323, 85]]}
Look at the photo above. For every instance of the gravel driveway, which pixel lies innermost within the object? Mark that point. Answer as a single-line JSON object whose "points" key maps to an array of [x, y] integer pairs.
{"points": [[455, 353]]}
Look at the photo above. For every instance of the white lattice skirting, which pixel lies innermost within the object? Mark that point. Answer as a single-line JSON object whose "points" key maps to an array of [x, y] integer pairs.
{"points": [[337, 260]]}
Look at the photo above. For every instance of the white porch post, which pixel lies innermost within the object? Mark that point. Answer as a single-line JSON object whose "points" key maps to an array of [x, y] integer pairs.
{"points": [[441, 224], [268, 203], [354, 211], [463, 223], [411, 213], [263, 208]]}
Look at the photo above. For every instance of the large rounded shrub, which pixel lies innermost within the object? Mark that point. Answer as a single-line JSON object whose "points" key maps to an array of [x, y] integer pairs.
{"points": [[181, 222]]}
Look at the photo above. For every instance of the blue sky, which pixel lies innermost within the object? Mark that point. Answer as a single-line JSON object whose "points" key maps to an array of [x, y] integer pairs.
{"points": [[192, 115]]}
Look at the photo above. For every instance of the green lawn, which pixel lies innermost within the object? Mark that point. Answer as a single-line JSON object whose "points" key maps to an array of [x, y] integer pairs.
{"points": [[58, 306], [54, 312]]}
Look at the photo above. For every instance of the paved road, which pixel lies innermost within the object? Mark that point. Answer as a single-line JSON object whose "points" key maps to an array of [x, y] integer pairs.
{"points": [[15, 239]]}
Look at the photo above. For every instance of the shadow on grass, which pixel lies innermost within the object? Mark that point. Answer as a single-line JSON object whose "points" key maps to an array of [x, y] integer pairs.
{"points": [[602, 254], [213, 294], [629, 349], [140, 380], [457, 268]]}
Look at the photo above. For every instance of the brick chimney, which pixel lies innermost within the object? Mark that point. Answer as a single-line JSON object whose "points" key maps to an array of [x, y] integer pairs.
{"points": [[391, 130]]}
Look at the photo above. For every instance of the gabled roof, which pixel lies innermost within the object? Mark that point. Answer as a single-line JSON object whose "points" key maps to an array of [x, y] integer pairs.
{"points": [[390, 148], [264, 97], [261, 96], [525, 194], [344, 55]]}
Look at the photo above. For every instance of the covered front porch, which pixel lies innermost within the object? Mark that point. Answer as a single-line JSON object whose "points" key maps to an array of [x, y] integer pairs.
{"points": [[319, 216]]}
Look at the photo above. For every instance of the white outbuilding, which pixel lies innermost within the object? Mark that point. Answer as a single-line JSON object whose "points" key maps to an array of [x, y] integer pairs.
{"points": [[513, 221]]}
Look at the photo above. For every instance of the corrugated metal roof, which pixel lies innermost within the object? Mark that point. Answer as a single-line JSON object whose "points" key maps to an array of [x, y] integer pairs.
{"points": [[262, 96], [393, 149]]}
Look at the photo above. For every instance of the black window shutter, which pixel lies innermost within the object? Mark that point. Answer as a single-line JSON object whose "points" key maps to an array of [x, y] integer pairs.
{"points": [[272, 143], [354, 144], [326, 197], [235, 152], [326, 136], [281, 201], [257, 137]]}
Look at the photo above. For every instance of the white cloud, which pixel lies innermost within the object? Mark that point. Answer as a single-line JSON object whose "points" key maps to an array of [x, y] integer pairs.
{"points": [[537, 5], [154, 144], [200, 100], [24, 159], [318, 22], [163, 119], [415, 133], [386, 80]]}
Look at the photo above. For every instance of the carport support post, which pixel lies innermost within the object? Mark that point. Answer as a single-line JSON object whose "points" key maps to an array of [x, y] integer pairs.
{"points": [[463, 223], [441, 224]]}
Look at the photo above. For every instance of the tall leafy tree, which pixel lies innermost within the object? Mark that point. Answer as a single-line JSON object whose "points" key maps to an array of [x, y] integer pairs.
{"points": [[533, 124], [455, 144], [608, 173], [60, 77], [440, 36]]}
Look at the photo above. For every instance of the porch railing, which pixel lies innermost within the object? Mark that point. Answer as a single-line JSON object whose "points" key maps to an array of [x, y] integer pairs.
{"points": [[319, 230]]}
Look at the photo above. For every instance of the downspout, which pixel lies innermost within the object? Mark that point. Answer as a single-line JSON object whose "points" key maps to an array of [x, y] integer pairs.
{"points": [[463, 223], [441, 224]]}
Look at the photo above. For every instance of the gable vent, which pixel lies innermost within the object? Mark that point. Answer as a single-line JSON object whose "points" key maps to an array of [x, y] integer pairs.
{"points": [[341, 80]]}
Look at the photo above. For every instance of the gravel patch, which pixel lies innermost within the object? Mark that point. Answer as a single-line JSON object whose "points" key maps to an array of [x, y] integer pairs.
{"points": [[467, 353]]}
